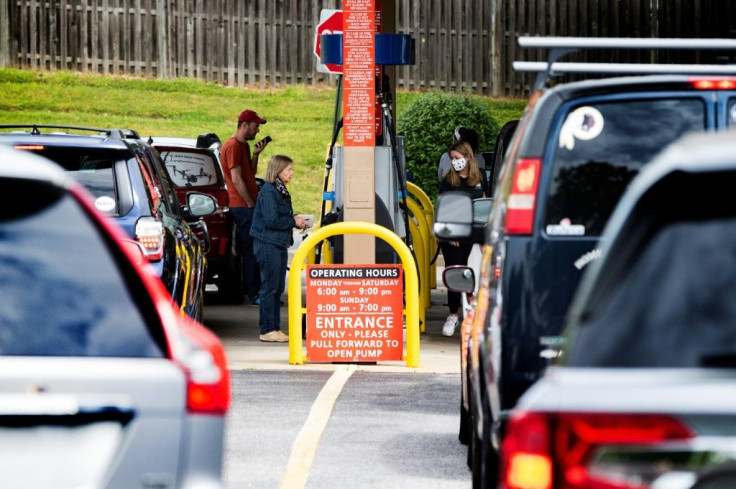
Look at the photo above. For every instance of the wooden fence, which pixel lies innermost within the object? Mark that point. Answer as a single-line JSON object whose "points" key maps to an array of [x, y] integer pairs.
{"points": [[460, 44]]}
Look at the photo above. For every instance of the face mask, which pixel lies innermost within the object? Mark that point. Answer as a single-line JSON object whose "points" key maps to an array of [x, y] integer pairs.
{"points": [[459, 164]]}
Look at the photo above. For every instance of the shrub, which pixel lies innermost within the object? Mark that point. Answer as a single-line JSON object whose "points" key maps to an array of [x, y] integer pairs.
{"points": [[427, 125]]}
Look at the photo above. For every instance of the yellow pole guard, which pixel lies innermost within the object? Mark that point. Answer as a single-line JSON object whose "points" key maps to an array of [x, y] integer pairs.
{"points": [[185, 293], [410, 275], [421, 261], [424, 266], [428, 208]]}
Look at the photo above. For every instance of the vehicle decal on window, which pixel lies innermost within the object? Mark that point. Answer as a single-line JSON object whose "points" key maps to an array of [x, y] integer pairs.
{"points": [[565, 228], [584, 123], [105, 203], [189, 169], [590, 256], [733, 113]]}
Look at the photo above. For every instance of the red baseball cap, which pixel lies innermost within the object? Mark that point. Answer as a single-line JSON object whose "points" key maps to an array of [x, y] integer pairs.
{"points": [[250, 116]]}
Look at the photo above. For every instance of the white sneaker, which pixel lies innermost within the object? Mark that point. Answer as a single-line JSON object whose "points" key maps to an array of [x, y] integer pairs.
{"points": [[448, 329]]}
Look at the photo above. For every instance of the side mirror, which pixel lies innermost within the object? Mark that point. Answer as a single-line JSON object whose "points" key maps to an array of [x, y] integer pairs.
{"points": [[135, 251], [199, 204], [458, 217], [453, 218], [481, 213], [459, 278]]}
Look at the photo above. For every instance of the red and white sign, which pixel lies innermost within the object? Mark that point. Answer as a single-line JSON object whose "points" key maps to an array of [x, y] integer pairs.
{"points": [[359, 71], [354, 313], [330, 22]]}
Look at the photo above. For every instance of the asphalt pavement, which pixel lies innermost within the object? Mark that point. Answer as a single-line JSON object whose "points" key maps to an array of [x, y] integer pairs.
{"points": [[328, 426]]}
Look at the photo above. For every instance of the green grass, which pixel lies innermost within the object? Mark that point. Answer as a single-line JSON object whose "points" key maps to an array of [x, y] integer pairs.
{"points": [[299, 117]]}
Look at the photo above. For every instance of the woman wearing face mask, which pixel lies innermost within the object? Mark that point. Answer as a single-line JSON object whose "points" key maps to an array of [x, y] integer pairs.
{"points": [[465, 134], [464, 176]]}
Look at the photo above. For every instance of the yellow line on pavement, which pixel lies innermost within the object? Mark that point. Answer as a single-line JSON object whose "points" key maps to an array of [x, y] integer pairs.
{"points": [[307, 441]]}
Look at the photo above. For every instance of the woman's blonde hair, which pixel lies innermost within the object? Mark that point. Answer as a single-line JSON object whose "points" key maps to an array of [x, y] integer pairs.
{"points": [[474, 176], [276, 165]]}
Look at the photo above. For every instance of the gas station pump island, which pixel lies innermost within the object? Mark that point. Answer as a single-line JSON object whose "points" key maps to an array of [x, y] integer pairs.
{"points": [[362, 259]]}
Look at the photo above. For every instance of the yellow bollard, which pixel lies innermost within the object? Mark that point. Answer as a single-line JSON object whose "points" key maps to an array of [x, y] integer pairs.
{"points": [[423, 281], [424, 266], [296, 356], [428, 209]]}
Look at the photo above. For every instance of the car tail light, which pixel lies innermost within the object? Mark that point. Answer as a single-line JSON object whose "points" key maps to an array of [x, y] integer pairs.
{"points": [[150, 233], [714, 84], [203, 359], [564, 451], [522, 200], [222, 198], [29, 147]]}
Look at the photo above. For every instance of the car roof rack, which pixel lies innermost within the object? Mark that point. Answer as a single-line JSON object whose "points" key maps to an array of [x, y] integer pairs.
{"points": [[562, 46], [111, 133]]}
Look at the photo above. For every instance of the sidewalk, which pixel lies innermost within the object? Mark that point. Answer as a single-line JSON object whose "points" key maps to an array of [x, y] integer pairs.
{"points": [[237, 328]]}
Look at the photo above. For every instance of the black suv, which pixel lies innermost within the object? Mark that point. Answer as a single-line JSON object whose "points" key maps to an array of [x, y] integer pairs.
{"points": [[574, 152], [128, 181]]}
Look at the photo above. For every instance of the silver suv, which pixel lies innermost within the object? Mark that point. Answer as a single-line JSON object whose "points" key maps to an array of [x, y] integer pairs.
{"points": [[103, 382]]}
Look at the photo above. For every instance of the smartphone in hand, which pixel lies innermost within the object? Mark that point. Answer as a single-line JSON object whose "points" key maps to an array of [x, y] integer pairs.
{"points": [[267, 139]]}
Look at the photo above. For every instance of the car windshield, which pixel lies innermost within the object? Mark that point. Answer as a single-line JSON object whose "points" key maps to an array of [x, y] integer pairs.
{"points": [[673, 307], [63, 293], [189, 168], [93, 168], [601, 147]]}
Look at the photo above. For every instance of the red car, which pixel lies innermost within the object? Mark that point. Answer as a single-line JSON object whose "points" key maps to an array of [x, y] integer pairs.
{"points": [[194, 164]]}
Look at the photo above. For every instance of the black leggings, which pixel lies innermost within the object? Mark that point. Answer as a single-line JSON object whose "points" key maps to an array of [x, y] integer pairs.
{"points": [[455, 255]]}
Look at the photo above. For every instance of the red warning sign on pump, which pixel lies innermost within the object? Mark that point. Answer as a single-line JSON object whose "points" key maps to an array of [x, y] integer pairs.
{"points": [[354, 313]]}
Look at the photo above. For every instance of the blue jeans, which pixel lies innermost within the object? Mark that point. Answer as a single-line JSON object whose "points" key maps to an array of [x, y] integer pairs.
{"points": [[251, 280], [272, 260]]}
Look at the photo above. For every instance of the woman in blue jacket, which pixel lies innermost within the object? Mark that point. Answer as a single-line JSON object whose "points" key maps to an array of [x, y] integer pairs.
{"points": [[273, 222]]}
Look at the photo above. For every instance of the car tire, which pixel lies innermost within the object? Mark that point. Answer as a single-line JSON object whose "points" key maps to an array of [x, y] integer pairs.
{"points": [[230, 284], [464, 432], [489, 458], [474, 450]]}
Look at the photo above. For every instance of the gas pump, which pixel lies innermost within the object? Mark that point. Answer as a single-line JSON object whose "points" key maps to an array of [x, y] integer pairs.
{"points": [[389, 156]]}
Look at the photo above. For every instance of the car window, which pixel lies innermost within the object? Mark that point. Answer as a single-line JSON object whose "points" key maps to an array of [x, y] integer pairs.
{"points": [[63, 292], [163, 181], [153, 192], [93, 168], [189, 168], [601, 147], [673, 306], [732, 113]]}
